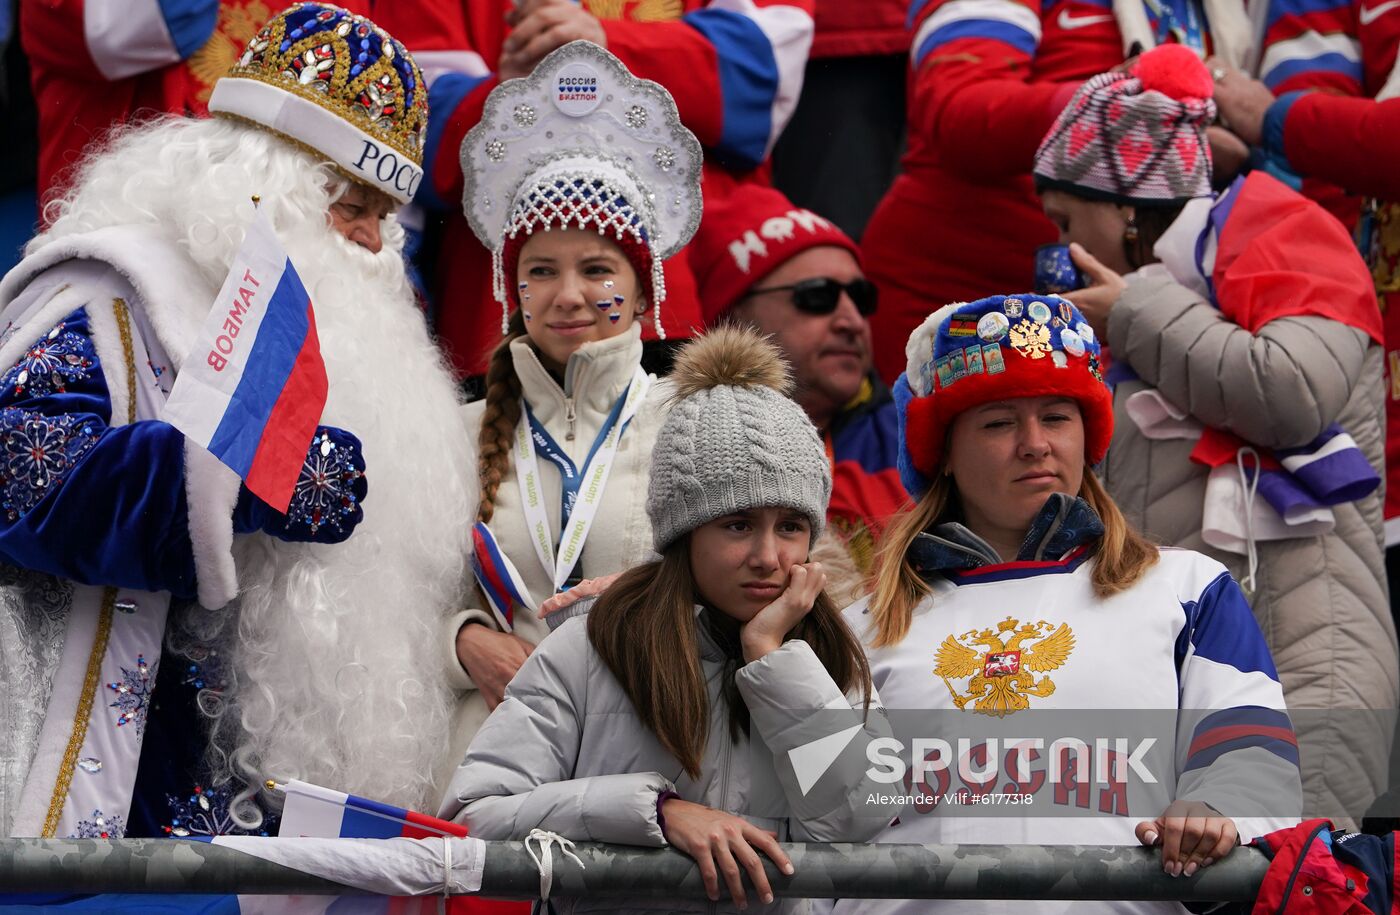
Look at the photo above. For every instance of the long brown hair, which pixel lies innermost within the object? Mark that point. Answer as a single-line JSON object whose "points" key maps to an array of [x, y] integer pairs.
{"points": [[499, 419], [1122, 556], [645, 630]]}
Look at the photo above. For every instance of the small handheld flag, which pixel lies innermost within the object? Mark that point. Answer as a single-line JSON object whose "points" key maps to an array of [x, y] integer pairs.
{"points": [[311, 810], [498, 577], [253, 386]]}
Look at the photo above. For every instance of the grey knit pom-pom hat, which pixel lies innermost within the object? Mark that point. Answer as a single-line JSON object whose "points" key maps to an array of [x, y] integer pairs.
{"points": [[733, 440]]}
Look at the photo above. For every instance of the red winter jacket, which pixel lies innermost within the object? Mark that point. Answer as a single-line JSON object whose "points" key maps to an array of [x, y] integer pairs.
{"points": [[1316, 870]]}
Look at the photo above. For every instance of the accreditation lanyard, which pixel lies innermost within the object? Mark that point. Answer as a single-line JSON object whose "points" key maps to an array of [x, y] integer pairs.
{"points": [[581, 490]]}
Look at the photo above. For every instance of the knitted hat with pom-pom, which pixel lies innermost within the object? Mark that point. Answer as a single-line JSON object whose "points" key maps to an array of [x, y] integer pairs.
{"points": [[733, 440], [1137, 137], [999, 348]]}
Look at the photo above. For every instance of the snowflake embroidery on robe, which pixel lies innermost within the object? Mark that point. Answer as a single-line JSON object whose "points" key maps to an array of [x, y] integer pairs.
{"points": [[61, 358], [205, 812], [133, 695], [324, 493], [36, 451], [101, 826]]}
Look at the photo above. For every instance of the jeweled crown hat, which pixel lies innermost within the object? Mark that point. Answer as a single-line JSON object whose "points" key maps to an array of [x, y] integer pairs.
{"points": [[998, 348], [582, 143], [1137, 137], [337, 84]]}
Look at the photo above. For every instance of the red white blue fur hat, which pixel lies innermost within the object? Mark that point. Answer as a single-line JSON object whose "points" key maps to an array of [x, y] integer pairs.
{"points": [[998, 348]]}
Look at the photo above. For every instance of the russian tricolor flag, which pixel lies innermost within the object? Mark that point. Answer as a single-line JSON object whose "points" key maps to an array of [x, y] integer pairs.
{"points": [[311, 810], [498, 577], [253, 385]]}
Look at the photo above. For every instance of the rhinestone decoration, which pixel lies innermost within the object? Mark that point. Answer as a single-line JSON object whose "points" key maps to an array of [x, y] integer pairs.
{"points": [[133, 694], [525, 115], [636, 117], [496, 150], [664, 157], [204, 812], [90, 764], [101, 826], [125, 606]]}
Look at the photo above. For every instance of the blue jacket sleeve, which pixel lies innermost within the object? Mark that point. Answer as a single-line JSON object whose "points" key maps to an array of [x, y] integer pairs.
{"points": [[79, 499]]}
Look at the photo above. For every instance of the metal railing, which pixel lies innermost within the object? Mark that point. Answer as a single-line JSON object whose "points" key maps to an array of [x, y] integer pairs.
{"points": [[822, 871]]}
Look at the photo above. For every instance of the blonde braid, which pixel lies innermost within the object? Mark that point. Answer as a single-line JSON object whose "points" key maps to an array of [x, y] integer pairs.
{"points": [[499, 420]]}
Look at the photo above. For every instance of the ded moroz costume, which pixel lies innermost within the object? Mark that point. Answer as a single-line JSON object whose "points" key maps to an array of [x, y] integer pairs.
{"points": [[147, 596]]}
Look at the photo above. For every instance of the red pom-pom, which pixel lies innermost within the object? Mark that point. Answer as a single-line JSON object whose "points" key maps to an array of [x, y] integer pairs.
{"points": [[1175, 71]]}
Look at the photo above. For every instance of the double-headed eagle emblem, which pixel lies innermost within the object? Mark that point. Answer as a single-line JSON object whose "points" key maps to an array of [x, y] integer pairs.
{"points": [[1003, 675]]}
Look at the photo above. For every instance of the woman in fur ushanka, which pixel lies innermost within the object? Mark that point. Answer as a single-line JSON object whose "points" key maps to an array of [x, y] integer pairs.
{"points": [[596, 738]]}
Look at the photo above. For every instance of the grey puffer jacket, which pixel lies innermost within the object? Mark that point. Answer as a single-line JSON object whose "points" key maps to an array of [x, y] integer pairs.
{"points": [[566, 752], [1321, 601]]}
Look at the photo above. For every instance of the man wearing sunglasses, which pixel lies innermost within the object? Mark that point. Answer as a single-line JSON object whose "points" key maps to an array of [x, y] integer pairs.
{"points": [[795, 276]]}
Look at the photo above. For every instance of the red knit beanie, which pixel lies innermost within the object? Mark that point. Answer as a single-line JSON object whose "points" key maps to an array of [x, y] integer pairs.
{"points": [[746, 235]]}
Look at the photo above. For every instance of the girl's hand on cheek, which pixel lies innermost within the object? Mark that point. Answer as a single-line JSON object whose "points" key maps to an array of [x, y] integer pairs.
{"points": [[765, 632]]}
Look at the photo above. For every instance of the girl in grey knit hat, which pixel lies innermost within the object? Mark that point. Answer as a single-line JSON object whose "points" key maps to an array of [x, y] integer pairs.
{"points": [[633, 724]]}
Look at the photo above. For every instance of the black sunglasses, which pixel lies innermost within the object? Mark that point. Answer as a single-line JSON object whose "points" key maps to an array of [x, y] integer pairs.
{"points": [[820, 294]]}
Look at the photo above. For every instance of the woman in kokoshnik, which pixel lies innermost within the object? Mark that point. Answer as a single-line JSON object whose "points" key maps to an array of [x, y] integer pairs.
{"points": [[1014, 602], [671, 714], [579, 197]]}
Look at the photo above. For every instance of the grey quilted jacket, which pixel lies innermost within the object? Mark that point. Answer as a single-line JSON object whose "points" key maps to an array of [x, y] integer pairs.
{"points": [[1321, 601], [565, 752]]}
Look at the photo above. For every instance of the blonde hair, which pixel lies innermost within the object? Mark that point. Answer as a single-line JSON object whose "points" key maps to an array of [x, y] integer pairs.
{"points": [[1123, 555]]}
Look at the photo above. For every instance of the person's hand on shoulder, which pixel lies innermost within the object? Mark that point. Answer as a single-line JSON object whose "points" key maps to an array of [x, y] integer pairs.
{"points": [[589, 587]]}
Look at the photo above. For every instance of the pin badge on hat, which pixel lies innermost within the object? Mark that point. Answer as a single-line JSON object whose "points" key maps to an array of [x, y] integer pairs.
{"points": [[576, 89], [1013, 308], [992, 359], [974, 359], [1031, 340], [1039, 312], [1072, 343], [993, 326], [1086, 333]]}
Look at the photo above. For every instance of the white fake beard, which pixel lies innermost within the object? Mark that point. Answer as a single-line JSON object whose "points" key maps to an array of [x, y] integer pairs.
{"points": [[333, 675]]}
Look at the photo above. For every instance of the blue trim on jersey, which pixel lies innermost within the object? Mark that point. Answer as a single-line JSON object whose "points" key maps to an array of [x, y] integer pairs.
{"points": [[1221, 628], [1274, 121], [1249, 717], [748, 84], [915, 9], [444, 95], [1016, 571], [1280, 8], [190, 23], [1335, 63], [991, 29]]}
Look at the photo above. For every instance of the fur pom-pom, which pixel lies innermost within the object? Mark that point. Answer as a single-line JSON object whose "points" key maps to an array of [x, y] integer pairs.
{"points": [[729, 355], [1175, 71]]}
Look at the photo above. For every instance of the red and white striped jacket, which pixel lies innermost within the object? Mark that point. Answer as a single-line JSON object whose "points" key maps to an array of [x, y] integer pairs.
{"points": [[95, 63]]}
